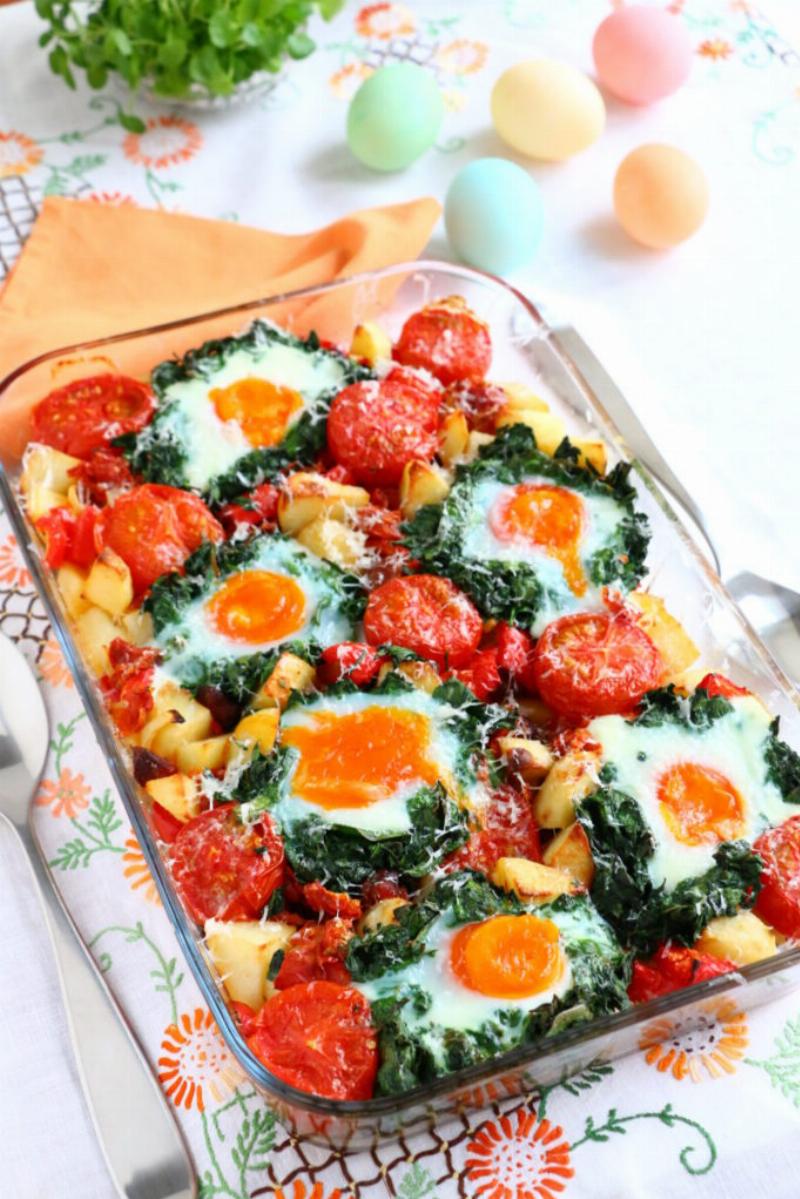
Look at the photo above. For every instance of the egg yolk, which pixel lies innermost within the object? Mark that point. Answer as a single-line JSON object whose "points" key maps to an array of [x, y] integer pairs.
{"points": [[257, 606], [261, 409], [508, 957], [547, 517], [354, 760], [700, 806]]}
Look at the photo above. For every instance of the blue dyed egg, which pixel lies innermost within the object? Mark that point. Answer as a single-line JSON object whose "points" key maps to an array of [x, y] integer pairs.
{"points": [[494, 215]]}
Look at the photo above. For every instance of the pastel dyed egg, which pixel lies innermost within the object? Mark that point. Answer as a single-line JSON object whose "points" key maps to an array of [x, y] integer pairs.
{"points": [[660, 196], [642, 54], [494, 215], [394, 117], [547, 109]]}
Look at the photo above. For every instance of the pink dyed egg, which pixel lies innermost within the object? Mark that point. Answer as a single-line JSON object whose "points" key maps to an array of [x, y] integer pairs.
{"points": [[642, 54]]}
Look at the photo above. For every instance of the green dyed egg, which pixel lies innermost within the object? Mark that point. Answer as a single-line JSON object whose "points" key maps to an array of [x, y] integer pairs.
{"points": [[394, 117]]}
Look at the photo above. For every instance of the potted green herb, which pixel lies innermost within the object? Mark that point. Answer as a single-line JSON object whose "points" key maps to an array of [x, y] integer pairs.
{"points": [[203, 52]]}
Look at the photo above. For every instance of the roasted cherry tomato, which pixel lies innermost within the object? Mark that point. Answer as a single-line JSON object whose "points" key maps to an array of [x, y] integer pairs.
{"points": [[778, 902], [515, 654], [319, 1037], [103, 473], [481, 674], [508, 829], [258, 508], [245, 1016], [165, 825], [482, 403], [426, 614], [316, 951], [670, 969], [127, 687], [90, 412], [225, 869], [354, 660], [377, 426], [70, 536], [154, 528], [717, 684], [447, 339], [594, 664], [383, 885], [330, 903]]}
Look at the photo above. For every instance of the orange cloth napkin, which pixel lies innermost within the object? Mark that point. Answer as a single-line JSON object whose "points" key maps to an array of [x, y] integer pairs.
{"points": [[90, 271]]}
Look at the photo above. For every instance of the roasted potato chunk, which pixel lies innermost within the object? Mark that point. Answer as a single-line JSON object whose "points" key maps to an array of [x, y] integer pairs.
{"points": [[741, 939], [334, 541], [532, 880], [668, 635], [571, 853], [383, 912], [531, 760], [290, 674], [109, 584], [193, 757], [71, 580], [570, 779], [257, 731], [453, 438], [95, 631], [372, 342], [242, 951], [308, 496], [421, 484], [177, 793]]}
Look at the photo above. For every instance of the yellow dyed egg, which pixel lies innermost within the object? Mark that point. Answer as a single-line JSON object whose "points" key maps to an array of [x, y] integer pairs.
{"points": [[660, 196], [547, 109]]}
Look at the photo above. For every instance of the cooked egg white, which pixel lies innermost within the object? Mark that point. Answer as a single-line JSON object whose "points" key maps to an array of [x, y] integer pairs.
{"points": [[453, 1004], [386, 815], [732, 746], [198, 637], [601, 515], [213, 445]]}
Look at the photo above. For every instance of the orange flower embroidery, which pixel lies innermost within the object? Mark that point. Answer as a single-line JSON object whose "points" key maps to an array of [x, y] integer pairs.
{"points": [[67, 795], [113, 199], [137, 872], [166, 142], [12, 571], [18, 154], [518, 1159], [52, 666], [300, 1190], [462, 57], [345, 83], [707, 1050], [195, 1062], [384, 21], [715, 48]]}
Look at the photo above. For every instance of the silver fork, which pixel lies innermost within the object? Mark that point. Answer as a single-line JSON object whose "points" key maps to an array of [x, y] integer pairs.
{"points": [[141, 1143]]}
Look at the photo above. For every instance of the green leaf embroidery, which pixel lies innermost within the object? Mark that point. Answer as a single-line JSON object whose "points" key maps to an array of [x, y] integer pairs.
{"points": [[783, 1068], [94, 835], [416, 1183], [614, 1124]]}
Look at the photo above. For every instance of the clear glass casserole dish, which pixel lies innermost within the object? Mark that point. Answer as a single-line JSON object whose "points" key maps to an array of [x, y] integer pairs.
{"points": [[526, 350]]}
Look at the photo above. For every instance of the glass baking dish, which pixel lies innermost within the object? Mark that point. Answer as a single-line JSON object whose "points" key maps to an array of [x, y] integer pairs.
{"points": [[526, 349]]}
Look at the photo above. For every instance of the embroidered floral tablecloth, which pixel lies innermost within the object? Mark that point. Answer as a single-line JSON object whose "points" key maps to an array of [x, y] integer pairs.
{"points": [[715, 1111]]}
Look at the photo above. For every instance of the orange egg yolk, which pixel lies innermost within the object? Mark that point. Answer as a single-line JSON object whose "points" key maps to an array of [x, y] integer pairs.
{"points": [[257, 606], [508, 957], [354, 760], [550, 518], [700, 806], [261, 409]]}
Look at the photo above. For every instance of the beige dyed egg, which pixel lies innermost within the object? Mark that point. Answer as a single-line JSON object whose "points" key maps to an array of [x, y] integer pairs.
{"points": [[547, 109], [660, 196]]}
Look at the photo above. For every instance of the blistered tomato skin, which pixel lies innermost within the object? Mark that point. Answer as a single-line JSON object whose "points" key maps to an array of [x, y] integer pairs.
{"points": [[671, 968], [447, 339], [595, 664], [507, 829], [318, 1036], [426, 614], [225, 869], [352, 660], [718, 684], [375, 427], [154, 528], [778, 902], [88, 413]]}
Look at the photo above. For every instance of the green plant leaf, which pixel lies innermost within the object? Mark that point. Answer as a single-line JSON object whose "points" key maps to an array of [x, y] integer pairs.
{"points": [[132, 123]]}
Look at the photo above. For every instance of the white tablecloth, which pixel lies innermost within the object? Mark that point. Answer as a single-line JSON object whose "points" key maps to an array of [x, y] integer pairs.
{"points": [[704, 341]]}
